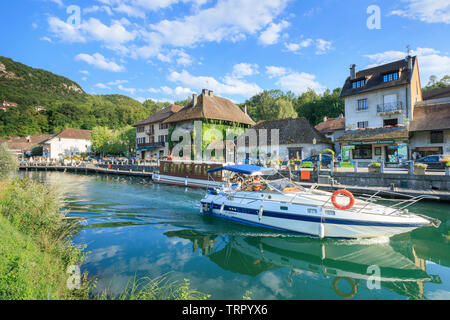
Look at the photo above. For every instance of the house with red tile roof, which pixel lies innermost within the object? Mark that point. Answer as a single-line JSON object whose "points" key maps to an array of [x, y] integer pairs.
{"points": [[68, 142]]}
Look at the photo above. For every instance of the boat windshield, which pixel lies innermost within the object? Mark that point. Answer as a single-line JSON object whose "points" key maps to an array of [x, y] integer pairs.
{"points": [[283, 185]]}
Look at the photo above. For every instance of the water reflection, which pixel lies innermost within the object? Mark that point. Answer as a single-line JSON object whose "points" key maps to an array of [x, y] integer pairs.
{"points": [[350, 265], [134, 227]]}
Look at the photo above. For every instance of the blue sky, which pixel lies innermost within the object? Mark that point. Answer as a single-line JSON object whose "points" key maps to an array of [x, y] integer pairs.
{"points": [[167, 49]]}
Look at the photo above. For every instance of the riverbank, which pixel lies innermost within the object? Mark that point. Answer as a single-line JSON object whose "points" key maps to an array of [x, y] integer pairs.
{"points": [[36, 250]]}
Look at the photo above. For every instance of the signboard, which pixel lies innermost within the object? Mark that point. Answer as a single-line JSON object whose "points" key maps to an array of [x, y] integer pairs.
{"points": [[306, 164], [402, 151], [346, 152]]}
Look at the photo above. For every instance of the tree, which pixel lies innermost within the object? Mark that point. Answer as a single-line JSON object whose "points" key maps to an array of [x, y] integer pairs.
{"points": [[285, 108], [434, 84]]}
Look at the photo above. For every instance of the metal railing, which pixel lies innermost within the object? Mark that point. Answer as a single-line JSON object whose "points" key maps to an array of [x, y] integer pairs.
{"points": [[390, 107]]}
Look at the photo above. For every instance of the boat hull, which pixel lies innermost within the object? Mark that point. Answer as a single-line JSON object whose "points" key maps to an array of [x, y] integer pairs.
{"points": [[308, 219]]}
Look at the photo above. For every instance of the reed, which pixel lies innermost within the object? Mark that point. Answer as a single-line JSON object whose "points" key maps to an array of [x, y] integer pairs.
{"points": [[159, 288]]}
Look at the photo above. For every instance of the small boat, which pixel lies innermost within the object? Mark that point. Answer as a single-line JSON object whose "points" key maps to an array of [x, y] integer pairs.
{"points": [[287, 206], [187, 173]]}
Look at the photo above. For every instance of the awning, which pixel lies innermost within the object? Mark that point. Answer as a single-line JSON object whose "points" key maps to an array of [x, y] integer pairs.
{"points": [[248, 169]]}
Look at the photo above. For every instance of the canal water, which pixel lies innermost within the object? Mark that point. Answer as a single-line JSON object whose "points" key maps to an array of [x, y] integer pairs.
{"points": [[135, 228]]}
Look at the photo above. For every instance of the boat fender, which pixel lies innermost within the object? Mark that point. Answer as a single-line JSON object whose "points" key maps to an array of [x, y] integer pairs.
{"points": [[222, 207], [344, 193], [345, 295], [321, 231], [261, 210]]}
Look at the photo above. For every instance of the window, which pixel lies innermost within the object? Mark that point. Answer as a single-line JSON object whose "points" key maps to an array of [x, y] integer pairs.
{"points": [[390, 122], [362, 104], [390, 77], [362, 152], [358, 83], [363, 124], [437, 137]]}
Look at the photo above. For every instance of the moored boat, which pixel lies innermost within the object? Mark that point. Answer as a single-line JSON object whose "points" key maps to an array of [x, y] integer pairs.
{"points": [[286, 206], [187, 173]]}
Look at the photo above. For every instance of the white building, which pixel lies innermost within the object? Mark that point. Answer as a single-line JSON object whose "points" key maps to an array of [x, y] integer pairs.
{"points": [[379, 104], [68, 142]]}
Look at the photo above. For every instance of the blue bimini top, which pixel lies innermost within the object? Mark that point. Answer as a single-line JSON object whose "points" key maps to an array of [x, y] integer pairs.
{"points": [[247, 169]]}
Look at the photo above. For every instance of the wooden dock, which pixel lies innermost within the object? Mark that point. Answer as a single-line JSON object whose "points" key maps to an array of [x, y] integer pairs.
{"points": [[85, 169]]}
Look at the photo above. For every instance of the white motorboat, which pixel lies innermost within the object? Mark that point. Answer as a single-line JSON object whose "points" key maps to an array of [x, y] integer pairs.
{"points": [[286, 206]]}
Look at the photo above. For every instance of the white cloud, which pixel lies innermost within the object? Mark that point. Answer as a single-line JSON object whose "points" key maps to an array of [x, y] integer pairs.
{"points": [[84, 72], [113, 36], [322, 46], [272, 33], [129, 90], [131, 11], [274, 71], [101, 86], [65, 31], [431, 61], [430, 11], [96, 8], [228, 85], [178, 91], [117, 82], [99, 61], [299, 82], [229, 20], [294, 47], [243, 69], [46, 39]]}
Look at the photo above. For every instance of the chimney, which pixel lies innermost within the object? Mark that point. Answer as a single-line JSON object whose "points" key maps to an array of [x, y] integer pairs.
{"points": [[245, 108], [205, 92], [341, 115], [194, 99], [211, 93], [325, 118], [410, 62], [28, 138], [352, 71]]}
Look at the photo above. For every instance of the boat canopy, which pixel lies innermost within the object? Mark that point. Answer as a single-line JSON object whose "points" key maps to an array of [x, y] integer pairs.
{"points": [[247, 169]]}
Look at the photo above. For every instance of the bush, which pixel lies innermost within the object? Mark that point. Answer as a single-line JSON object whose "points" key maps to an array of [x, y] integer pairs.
{"points": [[8, 162], [375, 165], [36, 248]]}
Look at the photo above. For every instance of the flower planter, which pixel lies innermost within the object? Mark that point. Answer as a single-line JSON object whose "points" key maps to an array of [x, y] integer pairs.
{"points": [[374, 170], [419, 171]]}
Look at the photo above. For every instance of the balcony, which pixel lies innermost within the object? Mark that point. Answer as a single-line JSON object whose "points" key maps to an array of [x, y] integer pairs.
{"points": [[390, 107], [150, 145]]}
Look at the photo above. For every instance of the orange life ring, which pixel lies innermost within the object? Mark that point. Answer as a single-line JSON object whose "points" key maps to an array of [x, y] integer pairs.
{"points": [[345, 193], [345, 295]]}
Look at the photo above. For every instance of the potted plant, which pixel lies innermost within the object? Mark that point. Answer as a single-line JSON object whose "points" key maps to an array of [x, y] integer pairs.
{"points": [[375, 167], [419, 168]]}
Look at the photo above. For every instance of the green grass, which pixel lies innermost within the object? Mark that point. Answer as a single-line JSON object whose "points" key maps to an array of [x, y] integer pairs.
{"points": [[160, 288], [35, 243]]}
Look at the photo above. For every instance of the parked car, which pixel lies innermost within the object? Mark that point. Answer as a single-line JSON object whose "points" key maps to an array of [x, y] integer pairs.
{"points": [[436, 161], [326, 159]]}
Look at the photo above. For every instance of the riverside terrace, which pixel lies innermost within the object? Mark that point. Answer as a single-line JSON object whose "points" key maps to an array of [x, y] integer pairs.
{"points": [[357, 179]]}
